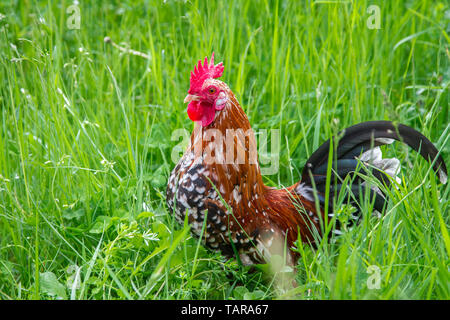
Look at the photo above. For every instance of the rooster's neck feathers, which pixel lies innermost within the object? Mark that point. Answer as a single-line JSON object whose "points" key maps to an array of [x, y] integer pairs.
{"points": [[236, 170]]}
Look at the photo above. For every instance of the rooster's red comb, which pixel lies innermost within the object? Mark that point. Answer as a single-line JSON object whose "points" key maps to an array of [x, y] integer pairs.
{"points": [[203, 72]]}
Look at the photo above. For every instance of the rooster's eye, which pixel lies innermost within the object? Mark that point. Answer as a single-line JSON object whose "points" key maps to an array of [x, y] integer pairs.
{"points": [[212, 90]]}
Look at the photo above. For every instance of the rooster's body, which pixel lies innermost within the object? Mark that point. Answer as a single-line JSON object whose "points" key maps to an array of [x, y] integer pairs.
{"points": [[227, 202]]}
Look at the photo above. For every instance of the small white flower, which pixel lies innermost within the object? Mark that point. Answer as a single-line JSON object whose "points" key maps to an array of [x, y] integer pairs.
{"points": [[145, 206], [107, 164], [150, 236], [87, 122], [62, 160]]}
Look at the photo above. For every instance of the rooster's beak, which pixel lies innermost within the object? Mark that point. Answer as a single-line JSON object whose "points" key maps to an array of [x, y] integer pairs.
{"points": [[191, 97]]}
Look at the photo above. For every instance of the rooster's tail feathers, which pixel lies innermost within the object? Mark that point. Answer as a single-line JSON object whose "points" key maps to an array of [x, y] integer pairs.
{"points": [[360, 143]]}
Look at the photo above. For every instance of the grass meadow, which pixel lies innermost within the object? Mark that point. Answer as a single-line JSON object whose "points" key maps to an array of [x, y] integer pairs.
{"points": [[86, 127]]}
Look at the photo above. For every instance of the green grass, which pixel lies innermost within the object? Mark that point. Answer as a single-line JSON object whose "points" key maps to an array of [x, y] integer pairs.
{"points": [[85, 148]]}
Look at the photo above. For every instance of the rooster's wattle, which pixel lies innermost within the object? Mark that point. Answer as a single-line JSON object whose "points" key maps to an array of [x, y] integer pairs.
{"points": [[221, 188]]}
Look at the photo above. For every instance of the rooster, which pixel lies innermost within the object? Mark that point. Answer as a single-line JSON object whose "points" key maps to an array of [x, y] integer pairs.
{"points": [[226, 201]]}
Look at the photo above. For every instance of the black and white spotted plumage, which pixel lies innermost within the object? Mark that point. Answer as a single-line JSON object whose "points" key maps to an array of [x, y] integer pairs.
{"points": [[189, 191]]}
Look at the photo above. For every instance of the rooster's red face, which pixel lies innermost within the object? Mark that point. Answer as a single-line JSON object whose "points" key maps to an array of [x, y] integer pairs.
{"points": [[206, 95]]}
